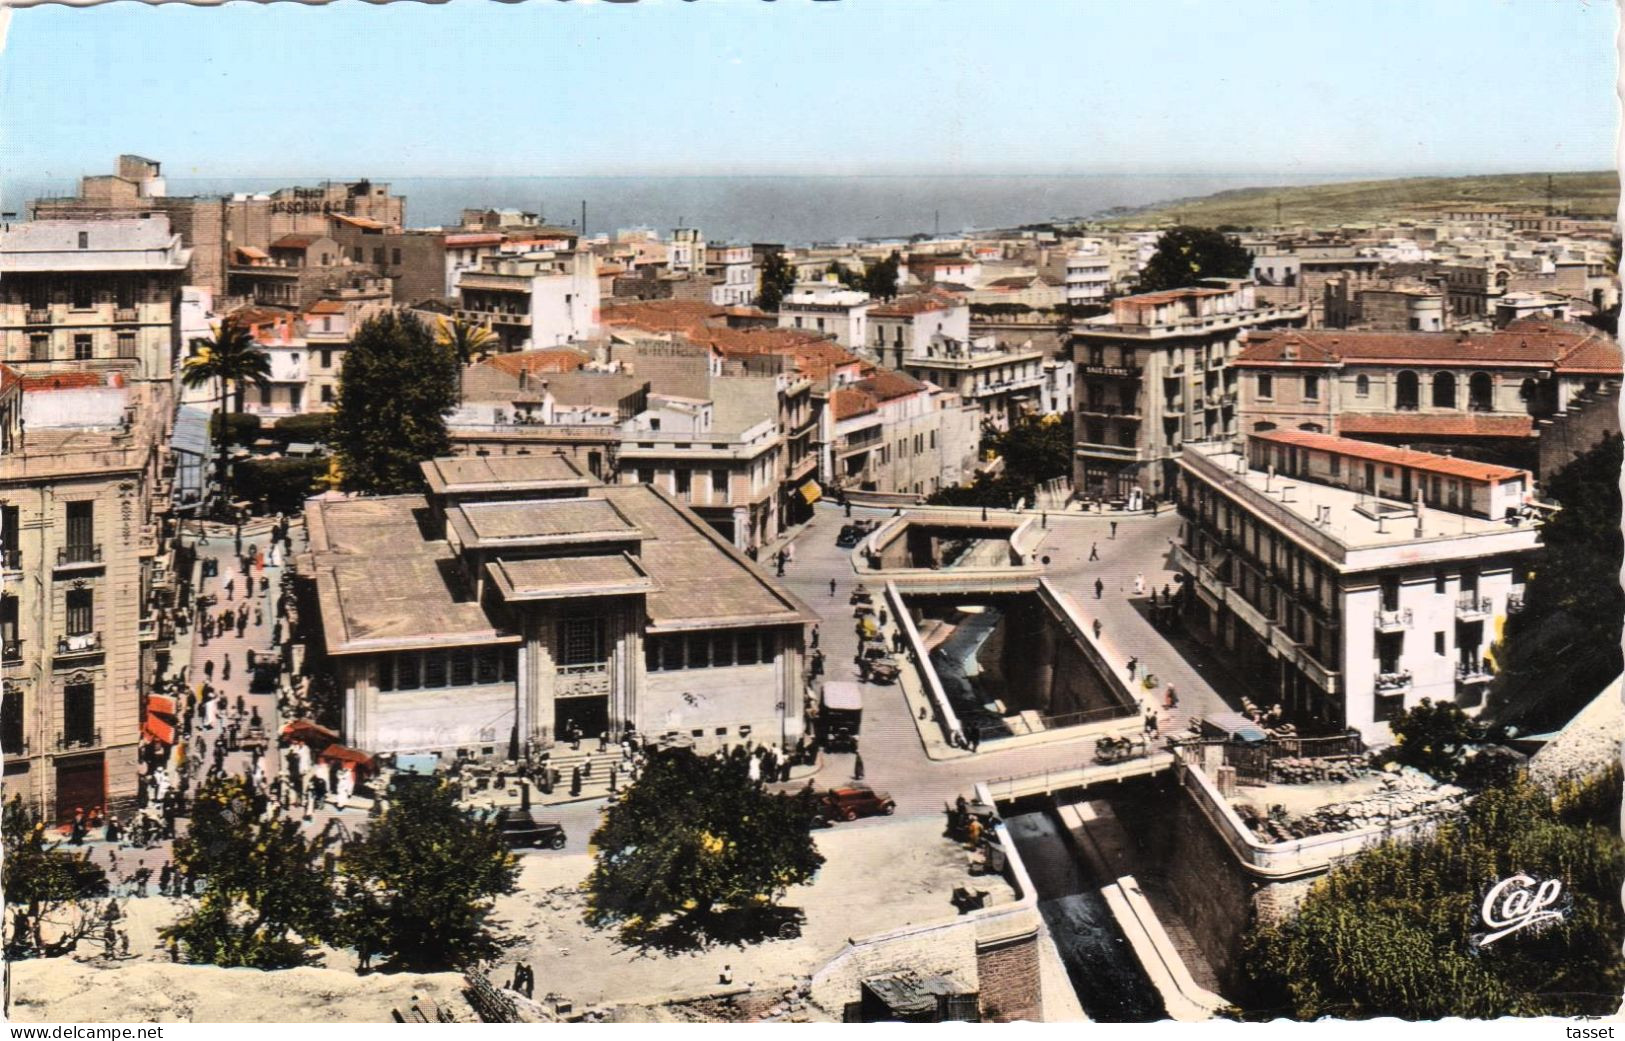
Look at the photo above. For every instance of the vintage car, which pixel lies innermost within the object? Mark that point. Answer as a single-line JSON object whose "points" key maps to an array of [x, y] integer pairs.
{"points": [[518, 828], [854, 801], [1116, 749], [854, 533]]}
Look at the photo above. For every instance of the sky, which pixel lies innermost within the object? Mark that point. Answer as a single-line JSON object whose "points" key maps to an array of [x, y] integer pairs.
{"points": [[1380, 87]]}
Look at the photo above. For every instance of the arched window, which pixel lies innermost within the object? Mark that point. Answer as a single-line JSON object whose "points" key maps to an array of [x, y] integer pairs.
{"points": [[1407, 392], [1480, 392], [1261, 427], [1444, 390], [1362, 386], [1313, 428]]}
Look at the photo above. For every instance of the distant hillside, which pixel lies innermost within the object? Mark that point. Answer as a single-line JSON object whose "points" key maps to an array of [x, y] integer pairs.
{"points": [[1581, 194]]}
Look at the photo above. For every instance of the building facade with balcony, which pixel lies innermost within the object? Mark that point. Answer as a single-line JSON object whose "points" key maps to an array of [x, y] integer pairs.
{"points": [[91, 294], [1352, 579], [1156, 373], [1004, 383], [536, 300], [546, 600], [1488, 394], [890, 434], [86, 570], [732, 266], [1088, 277], [905, 327]]}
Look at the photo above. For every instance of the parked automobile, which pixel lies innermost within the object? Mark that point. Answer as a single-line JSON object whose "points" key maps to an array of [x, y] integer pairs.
{"points": [[518, 829], [854, 533], [854, 801]]}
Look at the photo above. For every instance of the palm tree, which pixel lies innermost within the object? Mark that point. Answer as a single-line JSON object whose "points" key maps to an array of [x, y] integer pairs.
{"points": [[467, 341], [231, 358]]}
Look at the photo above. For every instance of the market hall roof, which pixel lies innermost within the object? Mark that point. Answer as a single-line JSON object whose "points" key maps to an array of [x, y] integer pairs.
{"points": [[455, 475], [385, 584]]}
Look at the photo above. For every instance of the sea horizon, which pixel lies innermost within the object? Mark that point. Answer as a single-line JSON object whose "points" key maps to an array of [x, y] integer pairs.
{"points": [[793, 209]]}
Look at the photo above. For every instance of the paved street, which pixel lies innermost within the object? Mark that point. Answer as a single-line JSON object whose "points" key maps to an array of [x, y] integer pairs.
{"points": [[893, 758]]}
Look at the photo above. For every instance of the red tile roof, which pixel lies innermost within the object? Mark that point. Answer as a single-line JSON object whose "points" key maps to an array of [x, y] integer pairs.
{"points": [[326, 307], [1389, 455], [1415, 424], [887, 384], [539, 361], [294, 242], [847, 402], [1565, 346], [918, 303]]}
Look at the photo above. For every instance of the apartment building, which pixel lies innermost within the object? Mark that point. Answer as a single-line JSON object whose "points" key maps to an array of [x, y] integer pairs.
{"points": [[545, 299], [1351, 579], [830, 310], [1155, 373], [888, 433], [86, 566], [293, 272], [1088, 277], [1485, 393], [905, 327], [546, 600], [91, 294], [211, 227], [1004, 383], [732, 267]]}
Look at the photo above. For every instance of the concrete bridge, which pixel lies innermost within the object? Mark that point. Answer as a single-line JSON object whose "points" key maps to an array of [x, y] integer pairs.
{"points": [[1048, 782]]}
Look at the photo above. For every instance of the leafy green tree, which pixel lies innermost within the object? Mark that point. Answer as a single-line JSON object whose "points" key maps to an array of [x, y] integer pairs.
{"points": [[695, 842], [880, 281], [231, 360], [467, 341], [1186, 255], [1035, 449], [309, 427], [242, 428], [47, 889], [778, 278], [1563, 647], [418, 887], [848, 278], [1391, 932], [265, 899], [397, 386], [284, 484], [1434, 738]]}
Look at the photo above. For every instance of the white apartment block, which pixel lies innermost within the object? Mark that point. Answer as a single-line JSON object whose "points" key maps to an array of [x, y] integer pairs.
{"points": [[536, 300], [1351, 579]]}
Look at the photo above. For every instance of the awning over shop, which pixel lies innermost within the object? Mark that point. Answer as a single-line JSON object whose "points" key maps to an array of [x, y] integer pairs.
{"points": [[811, 492], [161, 703], [351, 758], [154, 728]]}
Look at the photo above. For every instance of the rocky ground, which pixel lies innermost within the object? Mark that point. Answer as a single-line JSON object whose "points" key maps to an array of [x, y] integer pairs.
{"points": [[880, 874]]}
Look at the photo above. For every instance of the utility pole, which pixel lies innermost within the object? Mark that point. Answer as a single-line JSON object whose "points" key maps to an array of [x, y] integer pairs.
{"points": [[583, 218]]}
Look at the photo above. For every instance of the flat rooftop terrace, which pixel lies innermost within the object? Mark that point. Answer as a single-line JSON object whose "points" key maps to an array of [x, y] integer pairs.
{"points": [[1338, 524]]}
